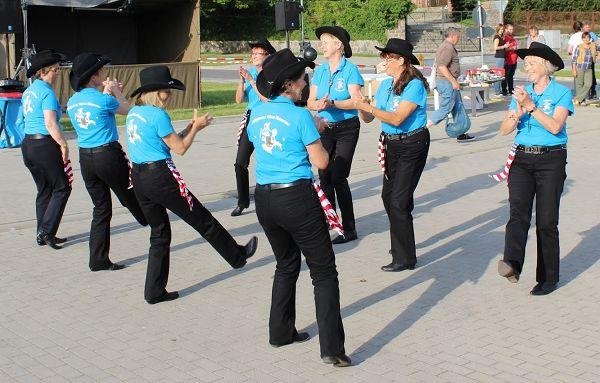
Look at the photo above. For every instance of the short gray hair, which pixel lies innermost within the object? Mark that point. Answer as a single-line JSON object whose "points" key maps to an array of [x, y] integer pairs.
{"points": [[550, 68], [451, 31]]}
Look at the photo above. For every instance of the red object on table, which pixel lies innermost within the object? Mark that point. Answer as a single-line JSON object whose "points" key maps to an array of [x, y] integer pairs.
{"points": [[11, 95]]}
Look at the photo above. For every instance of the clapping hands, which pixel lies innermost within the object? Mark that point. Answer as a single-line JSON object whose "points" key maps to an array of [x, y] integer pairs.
{"points": [[199, 123], [112, 87]]}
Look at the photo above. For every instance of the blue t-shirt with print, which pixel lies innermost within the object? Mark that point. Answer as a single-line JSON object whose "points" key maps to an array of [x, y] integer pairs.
{"points": [[529, 131], [387, 100], [251, 94], [146, 127], [280, 132], [336, 85], [93, 116], [39, 97]]}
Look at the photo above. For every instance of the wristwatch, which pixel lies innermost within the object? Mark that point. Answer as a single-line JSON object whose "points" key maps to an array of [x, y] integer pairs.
{"points": [[332, 102], [532, 110]]}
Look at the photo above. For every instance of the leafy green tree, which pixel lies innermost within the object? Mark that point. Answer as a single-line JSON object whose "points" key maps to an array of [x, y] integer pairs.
{"points": [[251, 19]]}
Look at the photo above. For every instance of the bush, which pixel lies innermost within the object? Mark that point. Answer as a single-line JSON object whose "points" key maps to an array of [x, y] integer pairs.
{"points": [[238, 20], [553, 5]]}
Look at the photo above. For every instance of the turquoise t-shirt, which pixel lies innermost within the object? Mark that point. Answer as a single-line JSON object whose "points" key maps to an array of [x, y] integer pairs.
{"points": [[93, 116], [280, 132], [336, 85], [39, 97], [529, 131], [413, 92], [146, 127], [251, 94]]}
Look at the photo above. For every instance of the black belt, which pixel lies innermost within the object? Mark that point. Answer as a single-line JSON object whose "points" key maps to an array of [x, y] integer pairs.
{"points": [[540, 149], [37, 136], [99, 149], [400, 137], [148, 165], [283, 186], [343, 123]]}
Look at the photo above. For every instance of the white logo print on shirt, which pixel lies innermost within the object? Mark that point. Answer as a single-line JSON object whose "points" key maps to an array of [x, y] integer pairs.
{"points": [[132, 134], [546, 106], [395, 103], [339, 86], [84, 118], [268, 138], [27, 107]]}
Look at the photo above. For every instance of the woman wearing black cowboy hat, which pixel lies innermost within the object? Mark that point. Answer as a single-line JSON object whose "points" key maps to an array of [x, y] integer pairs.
{"points": [[538, 112], [159, 186], [104, 166], [334, 84], [401, 106], [286, 142], [45, 150], [246, 91]]}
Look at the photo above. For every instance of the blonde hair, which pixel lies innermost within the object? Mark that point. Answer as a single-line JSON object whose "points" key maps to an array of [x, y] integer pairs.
{"points": [[150, 98], [550, 68], [498, 28], [333, 38], [45, 70]]}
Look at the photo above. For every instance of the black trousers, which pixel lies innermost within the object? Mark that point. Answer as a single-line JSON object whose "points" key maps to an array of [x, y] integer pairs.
{"points": [[157, 190], [242, 160], [509, 74], [542, 177], [340, 142], [43, 158], [103, 171], [294, 222], [405, 161]]}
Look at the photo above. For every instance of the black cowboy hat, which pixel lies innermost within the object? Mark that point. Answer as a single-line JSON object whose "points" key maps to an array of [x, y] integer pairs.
{"points": [[543, 51], [400, 47], [85, 65], [156, 78], [43, 59], [341, 34], [264, 44], [277, 68]]}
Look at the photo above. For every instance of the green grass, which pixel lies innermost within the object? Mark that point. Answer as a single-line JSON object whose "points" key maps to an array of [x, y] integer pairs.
{"points": [[569, 73], [217, 99], [467, 22]]}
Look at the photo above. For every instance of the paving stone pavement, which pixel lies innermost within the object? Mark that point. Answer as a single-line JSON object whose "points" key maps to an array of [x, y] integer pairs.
{"points": [[452, 319]]}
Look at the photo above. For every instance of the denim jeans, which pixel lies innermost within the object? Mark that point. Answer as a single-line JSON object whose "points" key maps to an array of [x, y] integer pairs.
{"points": [[451, 102]]}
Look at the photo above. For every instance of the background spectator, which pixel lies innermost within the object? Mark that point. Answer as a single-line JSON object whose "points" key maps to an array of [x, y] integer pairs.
{"points": [[534, 35]]}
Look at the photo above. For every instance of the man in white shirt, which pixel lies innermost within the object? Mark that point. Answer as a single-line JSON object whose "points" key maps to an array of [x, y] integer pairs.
{"points": [[575, 39]]}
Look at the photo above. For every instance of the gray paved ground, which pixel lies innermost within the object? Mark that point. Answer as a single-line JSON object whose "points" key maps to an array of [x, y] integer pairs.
{"points": [[451, 319]]}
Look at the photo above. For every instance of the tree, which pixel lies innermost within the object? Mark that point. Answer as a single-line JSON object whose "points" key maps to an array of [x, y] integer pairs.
{"points": [[251, 19]]}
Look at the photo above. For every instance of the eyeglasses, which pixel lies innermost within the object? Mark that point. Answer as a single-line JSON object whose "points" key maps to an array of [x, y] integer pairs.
{"points": [[55, 69]]}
